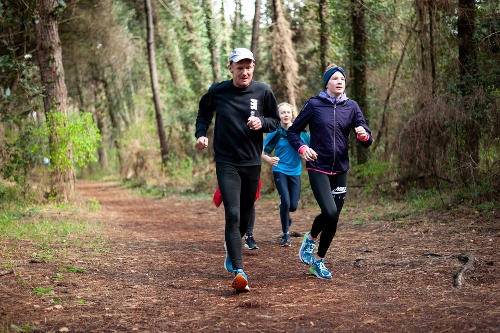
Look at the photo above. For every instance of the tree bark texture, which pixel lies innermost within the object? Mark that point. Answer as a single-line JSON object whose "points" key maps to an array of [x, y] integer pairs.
{"points": [[256, 31], [284, 57], [468, 260], [154, 82], [323, 34], [55, 98]]}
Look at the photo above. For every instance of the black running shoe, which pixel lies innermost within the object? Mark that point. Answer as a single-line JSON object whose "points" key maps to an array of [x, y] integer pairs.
{"points": [[250, 243]]}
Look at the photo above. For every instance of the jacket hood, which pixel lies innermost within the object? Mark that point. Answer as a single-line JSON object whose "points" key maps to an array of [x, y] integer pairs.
{"points": [[334, 100]]}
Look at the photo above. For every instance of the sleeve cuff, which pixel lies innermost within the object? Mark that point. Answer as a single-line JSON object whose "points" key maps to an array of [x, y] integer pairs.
{"points": [[365, 139]]}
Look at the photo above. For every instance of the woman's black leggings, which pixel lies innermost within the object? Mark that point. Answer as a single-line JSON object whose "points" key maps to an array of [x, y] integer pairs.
{"points": [[329, 191], [238, 186]]}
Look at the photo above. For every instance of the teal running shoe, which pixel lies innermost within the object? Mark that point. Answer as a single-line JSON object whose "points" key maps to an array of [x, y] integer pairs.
{"points": [[318, 268], [228, 265], [240, 282], [306, 250]]}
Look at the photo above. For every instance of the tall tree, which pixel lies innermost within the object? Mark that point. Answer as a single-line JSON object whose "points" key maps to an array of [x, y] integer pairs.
{"points": [[55, 97], [236, 23], [284, 57], [255, 30], [154, 82], [323, 34], [208, 9], [359, 65]]}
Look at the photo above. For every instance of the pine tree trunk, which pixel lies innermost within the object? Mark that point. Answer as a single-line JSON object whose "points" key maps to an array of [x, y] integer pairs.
{"points": [[154, 83], [212, 43], [255, 31], [323, 37], [55, 95], [284, 57]]}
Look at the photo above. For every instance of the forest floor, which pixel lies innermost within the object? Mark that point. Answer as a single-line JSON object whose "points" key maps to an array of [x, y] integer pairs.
{"points": [[162, 271]]}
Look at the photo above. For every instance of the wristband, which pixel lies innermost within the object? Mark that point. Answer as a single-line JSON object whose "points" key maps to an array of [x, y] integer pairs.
{"points": [[302, 148]]}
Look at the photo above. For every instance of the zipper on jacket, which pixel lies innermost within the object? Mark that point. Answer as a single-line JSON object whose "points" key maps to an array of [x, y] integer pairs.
{"points": [[334, 135]]}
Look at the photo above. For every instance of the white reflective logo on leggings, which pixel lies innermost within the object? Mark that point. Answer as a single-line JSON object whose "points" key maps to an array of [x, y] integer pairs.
{"points": [[339, 190]]}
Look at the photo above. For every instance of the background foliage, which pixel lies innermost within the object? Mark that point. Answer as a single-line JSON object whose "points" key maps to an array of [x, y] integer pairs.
{"points": [[417, 108]]}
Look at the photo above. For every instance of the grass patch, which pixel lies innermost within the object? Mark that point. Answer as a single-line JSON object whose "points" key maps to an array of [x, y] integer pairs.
{"points": [[46, 233], [75, 269], [42, 291], [27, 327], [33, 224]]}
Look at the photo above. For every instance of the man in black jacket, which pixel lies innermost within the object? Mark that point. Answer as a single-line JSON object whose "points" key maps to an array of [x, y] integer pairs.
{"points": [[244, 110]]}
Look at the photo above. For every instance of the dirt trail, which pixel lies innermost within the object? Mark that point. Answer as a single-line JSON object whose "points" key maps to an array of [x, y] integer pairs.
{"points": [[164, 273]]}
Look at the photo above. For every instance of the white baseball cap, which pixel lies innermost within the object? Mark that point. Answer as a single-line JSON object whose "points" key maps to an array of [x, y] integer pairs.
{"points": [[239, 54]]}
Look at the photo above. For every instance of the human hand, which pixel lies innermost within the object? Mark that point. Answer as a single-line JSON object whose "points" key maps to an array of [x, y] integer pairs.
{"points": [[254, 123], [274, 160], [361, 132], [201, 143], [309, 154]]}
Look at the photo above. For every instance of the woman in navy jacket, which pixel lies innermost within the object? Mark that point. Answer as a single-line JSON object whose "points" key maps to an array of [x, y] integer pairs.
{"points": [[331, 116]]}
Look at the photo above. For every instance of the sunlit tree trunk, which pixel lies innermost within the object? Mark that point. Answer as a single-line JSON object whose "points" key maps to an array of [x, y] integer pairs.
{"points": [[154, 82], [359, 66], [284, 57], [55, 95]]}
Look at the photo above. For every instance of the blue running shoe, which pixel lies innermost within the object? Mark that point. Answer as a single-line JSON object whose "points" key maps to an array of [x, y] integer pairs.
{"points": [[306, 250], [318, 268], [228, 265], [240, 282]]}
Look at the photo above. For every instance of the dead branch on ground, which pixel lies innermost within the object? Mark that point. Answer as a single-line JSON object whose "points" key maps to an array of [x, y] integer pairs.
{"points": [[468, 260]]}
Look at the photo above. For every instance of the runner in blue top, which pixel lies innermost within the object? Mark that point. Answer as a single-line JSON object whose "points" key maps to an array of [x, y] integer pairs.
{"points": [[287, 167]]}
